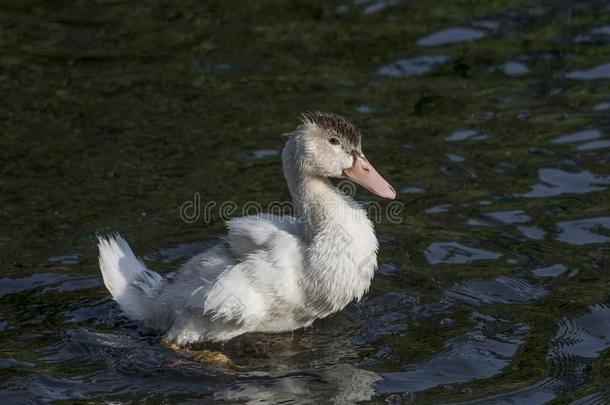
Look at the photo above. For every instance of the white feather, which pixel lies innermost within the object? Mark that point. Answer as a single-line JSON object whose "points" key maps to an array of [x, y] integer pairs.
{"points": [[131, 284], [254, 232]]}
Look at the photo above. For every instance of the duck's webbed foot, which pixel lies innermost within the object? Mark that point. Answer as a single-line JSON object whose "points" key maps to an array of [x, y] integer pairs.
{"points": [[201, 356]]}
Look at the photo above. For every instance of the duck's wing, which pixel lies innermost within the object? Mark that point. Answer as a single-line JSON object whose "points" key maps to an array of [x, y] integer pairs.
{"points": [[225, 290], [256, 232], [240, 297], [260, 282]]}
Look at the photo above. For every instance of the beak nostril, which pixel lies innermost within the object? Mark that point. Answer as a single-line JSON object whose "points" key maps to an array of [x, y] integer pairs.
{"points": [[366, 169]]}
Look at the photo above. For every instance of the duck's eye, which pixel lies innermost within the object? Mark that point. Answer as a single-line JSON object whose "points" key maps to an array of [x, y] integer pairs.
{"points": [[333, 141]]}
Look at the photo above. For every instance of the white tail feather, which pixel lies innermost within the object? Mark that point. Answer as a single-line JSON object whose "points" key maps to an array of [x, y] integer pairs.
{"points": [[131, 284]]}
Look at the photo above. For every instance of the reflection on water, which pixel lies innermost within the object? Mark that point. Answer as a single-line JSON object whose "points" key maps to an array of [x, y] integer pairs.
{"points": [[591, 135], [368, 7], [65, 259], [555, 182], [581, 136], [451, 36], [456, 253], [601, 106], [510, 217], [411, 66], [583, 337], [584, 231], [465, 134], [504, 290], [491, 117], [595, 145], [455, 158], [532, 232], [551, 271], [594, 73], [263, 153], [465, 358], [597, 398], [12, 286], [412, 190], [515, 68]]}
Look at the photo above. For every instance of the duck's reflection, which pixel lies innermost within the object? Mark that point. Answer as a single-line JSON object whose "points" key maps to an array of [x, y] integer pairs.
{"points": [[300, 366]]}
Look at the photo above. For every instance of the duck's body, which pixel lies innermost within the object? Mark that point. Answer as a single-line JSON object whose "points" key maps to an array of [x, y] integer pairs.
{"points": [[270, 274]]}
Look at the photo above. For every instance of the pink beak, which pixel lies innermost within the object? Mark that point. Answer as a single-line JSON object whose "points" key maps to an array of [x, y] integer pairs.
{"points": [[363, 173]]}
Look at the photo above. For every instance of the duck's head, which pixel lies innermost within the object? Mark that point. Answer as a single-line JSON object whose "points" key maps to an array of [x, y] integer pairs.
{"points": [[328, 145]]}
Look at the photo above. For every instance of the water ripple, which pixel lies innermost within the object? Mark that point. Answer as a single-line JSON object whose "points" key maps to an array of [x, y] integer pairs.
{"points": [[577, 344], [451, 36], [587, 135], [555, 182], [595, 73], [466, 358], [409, 67], [16, 285], [456, 253], [502, 290], [582, 231]]}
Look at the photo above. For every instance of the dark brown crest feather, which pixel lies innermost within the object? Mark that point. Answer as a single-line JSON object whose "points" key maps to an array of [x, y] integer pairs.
{"points": [[334, 123]]}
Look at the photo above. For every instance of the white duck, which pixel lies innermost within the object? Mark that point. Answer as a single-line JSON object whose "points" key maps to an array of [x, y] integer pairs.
{"points": [[271, 273]]}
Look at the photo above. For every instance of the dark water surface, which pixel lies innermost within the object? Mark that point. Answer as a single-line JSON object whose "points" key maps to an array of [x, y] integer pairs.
{"points": [[491, 117]]}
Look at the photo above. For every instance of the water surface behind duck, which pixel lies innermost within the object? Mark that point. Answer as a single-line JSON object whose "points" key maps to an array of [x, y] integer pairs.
{"points": [[157, 120]]}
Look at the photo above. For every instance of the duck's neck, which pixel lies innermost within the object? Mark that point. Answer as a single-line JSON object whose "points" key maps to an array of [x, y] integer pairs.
{"points": [[341, 243], [315, 199]]}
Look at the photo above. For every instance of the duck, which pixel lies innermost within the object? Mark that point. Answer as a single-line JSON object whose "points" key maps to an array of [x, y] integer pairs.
{"points": [[269, 273]]}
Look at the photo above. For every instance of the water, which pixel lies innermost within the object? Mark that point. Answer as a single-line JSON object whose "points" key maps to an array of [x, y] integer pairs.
{"points": [[490, 117]]}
